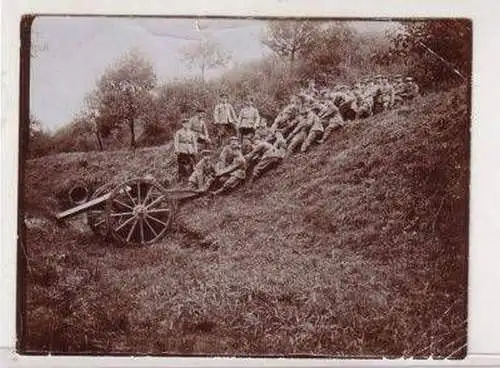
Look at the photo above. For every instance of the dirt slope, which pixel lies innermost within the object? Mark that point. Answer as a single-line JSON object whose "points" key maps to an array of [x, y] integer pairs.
{"points": [[356, 248]]}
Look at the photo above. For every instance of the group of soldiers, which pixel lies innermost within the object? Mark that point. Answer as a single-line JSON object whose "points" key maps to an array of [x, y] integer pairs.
{"points": [[252, 145]]}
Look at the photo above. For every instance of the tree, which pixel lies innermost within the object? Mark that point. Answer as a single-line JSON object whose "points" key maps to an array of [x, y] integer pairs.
{"points": [[122, 94], [39, 143], [205, 55], [288, 39], [437, 52]]}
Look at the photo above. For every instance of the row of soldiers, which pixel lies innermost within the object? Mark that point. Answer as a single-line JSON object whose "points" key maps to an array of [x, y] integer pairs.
{"points": [[254, 146]]}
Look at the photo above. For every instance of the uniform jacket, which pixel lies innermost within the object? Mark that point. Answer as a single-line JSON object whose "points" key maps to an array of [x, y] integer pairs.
{"points": [[224, 114], [198, 126], [185, 142], [229, 157], [249, 117]]}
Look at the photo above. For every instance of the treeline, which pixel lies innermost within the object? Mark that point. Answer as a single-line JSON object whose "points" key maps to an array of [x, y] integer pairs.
{"points": [[130, 108]]}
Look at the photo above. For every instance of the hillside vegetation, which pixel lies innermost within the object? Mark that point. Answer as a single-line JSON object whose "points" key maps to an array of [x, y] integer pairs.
{"points": [[358, 248]]}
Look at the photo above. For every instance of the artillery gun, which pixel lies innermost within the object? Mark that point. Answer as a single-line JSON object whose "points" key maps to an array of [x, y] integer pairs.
{"points": [[138, 211]]}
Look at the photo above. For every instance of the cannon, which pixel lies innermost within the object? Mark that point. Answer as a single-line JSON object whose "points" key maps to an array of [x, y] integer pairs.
{"points": [[138, 211]]}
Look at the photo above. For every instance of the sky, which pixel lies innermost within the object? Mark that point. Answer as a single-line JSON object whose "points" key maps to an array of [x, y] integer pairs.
{"points": [[72, 53]]}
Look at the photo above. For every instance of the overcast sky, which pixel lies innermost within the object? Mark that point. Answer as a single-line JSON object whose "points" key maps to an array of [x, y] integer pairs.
{"points": [[74, 51]]}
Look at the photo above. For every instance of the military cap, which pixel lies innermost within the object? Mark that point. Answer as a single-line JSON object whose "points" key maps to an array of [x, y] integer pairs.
{"points": [[409, 78], [398, 76], [206, 152]]}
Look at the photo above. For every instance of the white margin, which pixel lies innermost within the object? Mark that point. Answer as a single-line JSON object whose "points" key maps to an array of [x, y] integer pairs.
{"points": [[484, 274]]}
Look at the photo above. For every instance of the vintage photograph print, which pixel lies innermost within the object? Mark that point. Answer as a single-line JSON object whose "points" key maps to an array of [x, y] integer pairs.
{"points": [[244, 187]]}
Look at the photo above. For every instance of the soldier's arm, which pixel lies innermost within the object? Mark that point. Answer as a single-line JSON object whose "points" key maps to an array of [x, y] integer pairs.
{"points": [[195, 143], [297, 129], [232, 115], [216, 113], [257, 117], [176, 142], [205, 131]]}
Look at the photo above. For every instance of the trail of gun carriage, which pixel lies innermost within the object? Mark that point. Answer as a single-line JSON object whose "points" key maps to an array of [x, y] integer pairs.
{"points": [[306, 204]]}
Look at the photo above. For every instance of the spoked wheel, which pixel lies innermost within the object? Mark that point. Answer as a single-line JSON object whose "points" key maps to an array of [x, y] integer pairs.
{"points": [[139, 212], [96, 216]]}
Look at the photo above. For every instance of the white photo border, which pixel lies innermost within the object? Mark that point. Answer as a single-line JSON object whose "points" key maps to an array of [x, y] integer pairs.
{"points": [[484, 228]]}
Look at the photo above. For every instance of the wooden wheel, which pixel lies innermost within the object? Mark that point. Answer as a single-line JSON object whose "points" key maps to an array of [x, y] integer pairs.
{"points": [[139, 212], [96, 216]]}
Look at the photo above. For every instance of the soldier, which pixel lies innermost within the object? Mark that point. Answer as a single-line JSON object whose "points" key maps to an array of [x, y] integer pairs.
{"points": [[411, 89], [304, 134], [198, 126], [286, 117], [231, 169], [224, 118], [248, 119], [311, 89], [345, 100], [399, 89], [387, 93], [203, 174], [185, 148], [271, 155], [378, 95], [315, 130], [330, 114]]}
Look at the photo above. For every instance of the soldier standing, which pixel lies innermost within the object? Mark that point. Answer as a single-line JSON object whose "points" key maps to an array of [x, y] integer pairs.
{"points": [[248, 119], [185, 148], [224, 118], [198, 126]]}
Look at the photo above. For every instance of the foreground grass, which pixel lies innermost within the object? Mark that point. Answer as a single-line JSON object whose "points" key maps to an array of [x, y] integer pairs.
{"points": [[356, 249]]}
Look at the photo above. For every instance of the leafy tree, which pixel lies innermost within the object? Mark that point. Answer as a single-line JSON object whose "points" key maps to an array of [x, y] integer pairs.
{"points": [[288, 39], [205, 55], [122, 95], [39, 139], [330, 52], [437, 52]]}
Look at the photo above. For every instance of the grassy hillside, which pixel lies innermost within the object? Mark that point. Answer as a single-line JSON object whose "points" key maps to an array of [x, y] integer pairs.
{"points": [[358, 248]]}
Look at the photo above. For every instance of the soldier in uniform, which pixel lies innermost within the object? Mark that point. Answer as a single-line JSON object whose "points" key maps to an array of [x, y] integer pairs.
{"points": [[185, 148], [271, 153], [225, 118], [411, 89], [345, 100], [311, 89], [203, 174], [387, 93], [399, 89], [231, 168], [287, 117], [305, 132], [248, 119], [315, 130], [198, 126], [330, 116]]}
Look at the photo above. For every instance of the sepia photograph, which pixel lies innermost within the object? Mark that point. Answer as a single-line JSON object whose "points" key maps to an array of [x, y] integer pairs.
{"points": [[244, 187]]}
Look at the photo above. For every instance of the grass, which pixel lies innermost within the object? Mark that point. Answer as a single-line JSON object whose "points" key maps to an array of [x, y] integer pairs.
{"points": [[358, 248]]}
